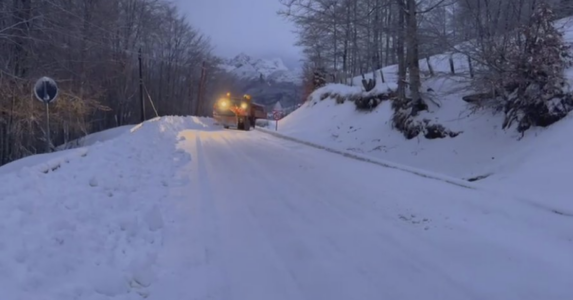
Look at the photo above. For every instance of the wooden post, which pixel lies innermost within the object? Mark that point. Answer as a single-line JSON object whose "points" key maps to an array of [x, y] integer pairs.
{"points": [[430, 66], [471, 67], [48, 138]]}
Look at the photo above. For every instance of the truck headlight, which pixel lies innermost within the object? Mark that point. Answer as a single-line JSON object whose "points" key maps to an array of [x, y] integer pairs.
{"points": [[223, 103], [244, 105]]}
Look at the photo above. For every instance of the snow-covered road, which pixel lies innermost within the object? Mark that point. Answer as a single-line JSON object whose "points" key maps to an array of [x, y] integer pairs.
{"points": [[272, 219], [181, 209]]}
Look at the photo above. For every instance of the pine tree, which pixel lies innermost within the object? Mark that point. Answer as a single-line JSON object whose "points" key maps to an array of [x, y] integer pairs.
{"points": [[535, 74], [319, 78]]}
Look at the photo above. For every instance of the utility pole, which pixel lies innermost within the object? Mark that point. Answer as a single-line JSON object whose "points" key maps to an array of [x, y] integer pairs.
{"points": [[201, 88], [203, 84], [198, 94], [191, 93], [142, 103]]}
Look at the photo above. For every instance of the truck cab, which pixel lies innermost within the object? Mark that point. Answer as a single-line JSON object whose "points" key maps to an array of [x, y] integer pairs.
{"points": [[239, 112]]}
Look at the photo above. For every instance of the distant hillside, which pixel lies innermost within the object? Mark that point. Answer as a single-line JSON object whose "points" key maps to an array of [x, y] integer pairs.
{"points": [[272, 70], [268, 81]]}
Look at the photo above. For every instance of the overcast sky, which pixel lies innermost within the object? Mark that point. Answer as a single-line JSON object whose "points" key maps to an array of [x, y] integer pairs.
{"points": [[249, 26]]}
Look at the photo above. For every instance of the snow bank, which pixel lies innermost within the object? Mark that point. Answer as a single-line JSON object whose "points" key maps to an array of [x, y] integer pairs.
{"points": [[541, 169], [94, 227], [379, 162], [43, 162], [343, 92], [330, 90], [474, 152], [98, 137]]}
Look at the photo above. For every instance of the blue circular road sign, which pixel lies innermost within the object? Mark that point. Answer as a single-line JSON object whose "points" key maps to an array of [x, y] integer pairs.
{"points": [[46, 90]]}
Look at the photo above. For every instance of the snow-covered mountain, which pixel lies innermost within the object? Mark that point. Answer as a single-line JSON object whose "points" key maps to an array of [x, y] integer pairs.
{"points": [[247, 67]]}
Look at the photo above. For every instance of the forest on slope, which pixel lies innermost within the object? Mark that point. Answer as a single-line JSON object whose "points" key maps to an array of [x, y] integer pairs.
{"points": [[516, 56], [91, 48]]}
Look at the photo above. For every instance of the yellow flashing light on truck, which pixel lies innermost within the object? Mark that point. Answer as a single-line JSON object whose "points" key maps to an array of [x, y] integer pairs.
{"points": [[239, 111], [223, 103]]}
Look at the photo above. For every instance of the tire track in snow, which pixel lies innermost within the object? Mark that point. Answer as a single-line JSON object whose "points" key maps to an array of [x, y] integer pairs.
{"points": [[209, 220], [191, 255], [371, 160], [252, 264], [320, 201]]}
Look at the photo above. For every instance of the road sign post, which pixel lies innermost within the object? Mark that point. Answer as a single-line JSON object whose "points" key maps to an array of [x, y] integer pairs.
{"points": [[46, 91], [277, 116], [141, 101], [48, 137]]}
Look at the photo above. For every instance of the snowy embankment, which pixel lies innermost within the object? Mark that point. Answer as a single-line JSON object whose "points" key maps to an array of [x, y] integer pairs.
{"points": [[43, 162], [536, 165], [98, 137], [88, 223], [474, 152], [382, 163]]}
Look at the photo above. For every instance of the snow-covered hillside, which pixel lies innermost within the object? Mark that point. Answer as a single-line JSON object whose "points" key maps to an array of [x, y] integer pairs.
{"points": [[179, 208], [246, 67], [536, 165]]}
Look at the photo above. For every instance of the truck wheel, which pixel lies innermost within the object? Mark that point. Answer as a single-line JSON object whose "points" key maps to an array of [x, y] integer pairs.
{"points": [[247, 124], [226, 127], [240, 123]]}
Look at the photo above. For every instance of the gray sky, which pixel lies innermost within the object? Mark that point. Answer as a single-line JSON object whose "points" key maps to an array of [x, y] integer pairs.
{"points": [[249, 26]]}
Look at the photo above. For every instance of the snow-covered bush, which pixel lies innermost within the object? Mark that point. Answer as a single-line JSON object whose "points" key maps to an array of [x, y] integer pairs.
{"points": [[364, 100], [405, 120], [535, 82], [369, 101], [372, 96], [523, 72], [319, 78]]}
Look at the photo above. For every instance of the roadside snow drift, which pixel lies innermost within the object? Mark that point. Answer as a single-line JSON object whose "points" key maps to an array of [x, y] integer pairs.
{"points": [[99, 137], [89, 224], [475, 152], [43, 162]]}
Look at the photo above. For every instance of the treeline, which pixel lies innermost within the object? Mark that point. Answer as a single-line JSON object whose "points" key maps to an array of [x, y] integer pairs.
{"points": [[350, 37], [345, 38], [91, 48]]}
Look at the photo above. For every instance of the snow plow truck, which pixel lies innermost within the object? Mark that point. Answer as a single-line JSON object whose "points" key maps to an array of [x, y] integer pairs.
{"points": [[239, 112]]}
